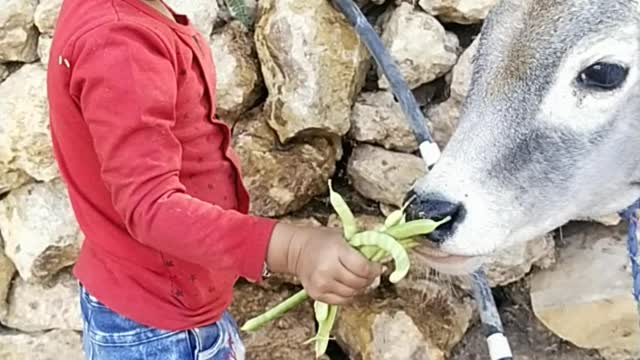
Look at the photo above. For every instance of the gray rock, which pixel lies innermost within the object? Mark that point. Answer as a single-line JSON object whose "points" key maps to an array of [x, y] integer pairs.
{"points": [[383, 175], [44, 48], [4, 72], [7, 270], [377, 119], [516, 262], [238, 77], [40, 307], [313, 74], [419, 44], [443, 117], [586, 298], [46, 15], [40, 231], [459, 11], [18, 35], [410, 326], [53, 345], [25, 141], [281, 180], [202, 13]]}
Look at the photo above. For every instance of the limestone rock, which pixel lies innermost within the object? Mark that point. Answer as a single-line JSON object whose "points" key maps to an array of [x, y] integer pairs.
{"points": [[419, 45], [40, 307], [52, 345], [459, 11], [46, 15], [378, 119], [44, 48], [313, 64], [384, 175], [7, 270], [11, 178], [282, 339], [4, 72], [40, 231], [201, 13], [18, 35], [225, 15], [238, 76], [586, 298], [25, 142], [281, 179], [387, 209], [300, 221], [362, 221], [514, 263], [613, 354], [443, 117], [423, 323], [452, 43], [608, 220]]}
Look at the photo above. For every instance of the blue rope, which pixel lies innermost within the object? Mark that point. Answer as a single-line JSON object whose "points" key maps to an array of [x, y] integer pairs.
{"points": [[631, 215]]}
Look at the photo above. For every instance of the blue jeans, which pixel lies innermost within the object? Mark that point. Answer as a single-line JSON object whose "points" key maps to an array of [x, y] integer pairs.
{"points": [[110, 336]]}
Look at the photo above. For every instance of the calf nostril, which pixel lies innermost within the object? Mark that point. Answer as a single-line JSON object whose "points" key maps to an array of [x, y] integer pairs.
{"points": [[439, 210], [435, 208]]}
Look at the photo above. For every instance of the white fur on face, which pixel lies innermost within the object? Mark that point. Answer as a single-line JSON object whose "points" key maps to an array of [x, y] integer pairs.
{"points": [[568, 106]]}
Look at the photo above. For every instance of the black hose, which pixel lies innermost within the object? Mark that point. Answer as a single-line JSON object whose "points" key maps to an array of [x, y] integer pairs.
{"points": [[379, 53], [498, 345]]}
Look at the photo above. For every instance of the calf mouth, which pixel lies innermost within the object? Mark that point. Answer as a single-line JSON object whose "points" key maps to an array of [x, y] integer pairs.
{"points": [[447, 263]]}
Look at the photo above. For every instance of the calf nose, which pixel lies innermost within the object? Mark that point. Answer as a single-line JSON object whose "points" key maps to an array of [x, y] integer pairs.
{"points": [[435, 207]]}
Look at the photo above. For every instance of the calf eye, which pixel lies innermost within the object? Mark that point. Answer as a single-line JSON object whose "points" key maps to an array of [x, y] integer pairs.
{"points": [[603, 76]]}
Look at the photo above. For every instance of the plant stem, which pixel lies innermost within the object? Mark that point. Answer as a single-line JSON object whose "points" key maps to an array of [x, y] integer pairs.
{"points": [[275, 312]]}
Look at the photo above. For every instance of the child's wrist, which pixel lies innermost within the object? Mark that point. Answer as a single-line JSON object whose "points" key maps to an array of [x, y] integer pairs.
{"points": [[283, 249]]}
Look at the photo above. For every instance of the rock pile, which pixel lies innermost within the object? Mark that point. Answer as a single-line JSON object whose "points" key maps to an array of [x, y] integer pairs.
{"points": [[306, 104]]}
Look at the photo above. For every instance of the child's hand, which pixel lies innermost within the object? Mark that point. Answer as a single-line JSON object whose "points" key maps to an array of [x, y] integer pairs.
{"points": [[330, 270]]}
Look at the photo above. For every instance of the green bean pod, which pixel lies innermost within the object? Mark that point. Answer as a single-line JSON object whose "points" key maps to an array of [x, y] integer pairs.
{"points": [[414, 228], [394, 219], [321, 310], [324, 331], [368, 251], [391, 246], [344, 213]]}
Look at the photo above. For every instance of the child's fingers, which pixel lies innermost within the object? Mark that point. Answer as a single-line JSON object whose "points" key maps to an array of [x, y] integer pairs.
{"points": [[340, 289], [333, 299], [351, 280], [358, 265]]}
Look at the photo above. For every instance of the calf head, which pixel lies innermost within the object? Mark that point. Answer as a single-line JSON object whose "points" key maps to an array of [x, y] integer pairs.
{"points": [[549, 131]]}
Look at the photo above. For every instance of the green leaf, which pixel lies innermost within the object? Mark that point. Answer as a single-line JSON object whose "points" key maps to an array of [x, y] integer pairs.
{"points": [[239, 11]]}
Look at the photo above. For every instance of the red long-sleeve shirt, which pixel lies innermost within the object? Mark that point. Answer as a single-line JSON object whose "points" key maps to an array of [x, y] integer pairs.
{"points": [[154, 185]]}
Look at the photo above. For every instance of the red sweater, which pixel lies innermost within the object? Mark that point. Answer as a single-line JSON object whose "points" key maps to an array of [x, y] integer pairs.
{"points": [[154, 185]]}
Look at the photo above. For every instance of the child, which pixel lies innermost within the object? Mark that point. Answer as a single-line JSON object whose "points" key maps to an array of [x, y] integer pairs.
{"points": [[157, 191]]}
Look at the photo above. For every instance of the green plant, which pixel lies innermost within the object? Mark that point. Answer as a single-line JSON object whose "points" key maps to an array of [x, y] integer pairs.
{"points": [[239, 11]]}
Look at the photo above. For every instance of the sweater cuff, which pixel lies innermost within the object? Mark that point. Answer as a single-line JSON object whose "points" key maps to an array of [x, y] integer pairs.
{"points": [[252, 264]]}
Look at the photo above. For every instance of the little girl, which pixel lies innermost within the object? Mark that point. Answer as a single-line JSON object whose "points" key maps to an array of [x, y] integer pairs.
{"points": [[157, 191]]}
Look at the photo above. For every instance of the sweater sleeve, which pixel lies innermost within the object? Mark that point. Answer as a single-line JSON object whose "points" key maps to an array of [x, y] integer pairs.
{"points": [[124, 79]]}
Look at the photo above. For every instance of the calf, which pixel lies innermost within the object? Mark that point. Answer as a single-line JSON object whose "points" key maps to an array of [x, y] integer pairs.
{"points": [[549, 131]]}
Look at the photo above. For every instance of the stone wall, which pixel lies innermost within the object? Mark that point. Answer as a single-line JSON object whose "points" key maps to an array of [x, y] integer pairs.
{"points": [[306, 104]]}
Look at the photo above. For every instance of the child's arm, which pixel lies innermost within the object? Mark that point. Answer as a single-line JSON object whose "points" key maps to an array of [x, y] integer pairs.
{"points": [[125, 82]]}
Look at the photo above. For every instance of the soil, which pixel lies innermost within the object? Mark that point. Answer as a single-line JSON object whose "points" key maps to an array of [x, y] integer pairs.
{"points": [[528, 337]]}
